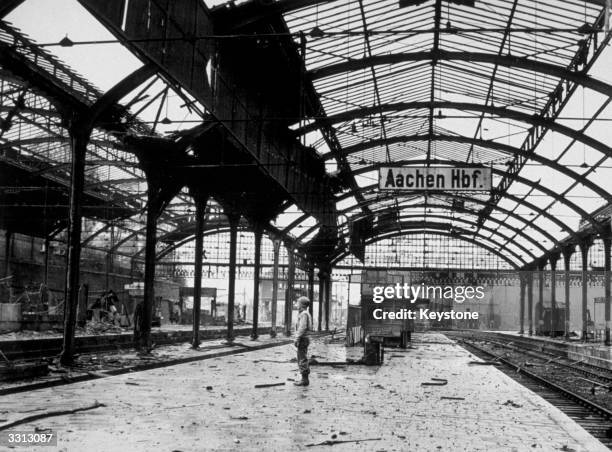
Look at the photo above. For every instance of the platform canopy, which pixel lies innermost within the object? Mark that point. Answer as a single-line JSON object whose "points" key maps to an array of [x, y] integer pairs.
{"points": [[518, 88]]}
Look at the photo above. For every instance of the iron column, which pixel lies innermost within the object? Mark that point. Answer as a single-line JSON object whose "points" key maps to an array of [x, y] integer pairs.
{"points": [[256, 271], [567, 254], [200, 205], [273, 309], [553, 294], [78, 147], [584, 252], [530, 301], [289, 291], [311, 289], [321, 297], [607, 241], [231, 289], [522, 303]]}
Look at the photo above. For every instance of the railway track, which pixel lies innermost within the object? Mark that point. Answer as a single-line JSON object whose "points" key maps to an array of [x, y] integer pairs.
{"points": [[548, 355], [594, 418]]}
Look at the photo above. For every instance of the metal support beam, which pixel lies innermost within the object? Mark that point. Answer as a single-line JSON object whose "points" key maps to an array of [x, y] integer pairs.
{"points": [[9, 5], [228, 100], [81, 126], [502, 112], [200, 204], [311, 289], [607, 242], [553, 293], [256, 274], [78, 147], [518, 199], [540, 304], [233, 219], [142, 325], [525, 224], [476, 57], [584, 251], [530, 300], [8, 236], [522, 303], [158, 196], [321, 276], [289, 291], [567, 255], [276, 245], [110, 260], [46, 264], [328, 287], [398, 233], [510, 150]]}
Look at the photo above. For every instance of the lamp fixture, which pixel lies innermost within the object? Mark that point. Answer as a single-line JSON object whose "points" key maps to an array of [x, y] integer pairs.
{"points": [[66, 42], [316, 32]]}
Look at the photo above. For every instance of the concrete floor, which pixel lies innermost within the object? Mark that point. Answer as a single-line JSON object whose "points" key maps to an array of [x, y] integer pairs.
{"points": [[213, 405]]}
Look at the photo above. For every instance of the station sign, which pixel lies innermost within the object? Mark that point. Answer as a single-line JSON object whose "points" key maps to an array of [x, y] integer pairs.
{"points": [[441, 178]]}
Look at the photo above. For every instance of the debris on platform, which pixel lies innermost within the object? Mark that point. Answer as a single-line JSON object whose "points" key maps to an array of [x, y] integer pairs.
{"points": [[36, 417], [512, 404], [97, 328], [269, 385], [435, 382], [331, 442]]}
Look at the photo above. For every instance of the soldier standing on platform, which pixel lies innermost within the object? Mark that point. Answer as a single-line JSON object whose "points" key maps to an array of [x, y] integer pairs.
{"points": [[303, 327]]}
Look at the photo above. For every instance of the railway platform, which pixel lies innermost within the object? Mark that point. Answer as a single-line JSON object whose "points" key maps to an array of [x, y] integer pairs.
{"points": [[28, 344], [428, 397]]}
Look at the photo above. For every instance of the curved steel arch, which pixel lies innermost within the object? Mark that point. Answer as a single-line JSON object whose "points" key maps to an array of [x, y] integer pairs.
{"points": [[425, 225], [499, 111], [463, 220], [215, 227], [522, 180], [440, 233], [483, 143], [478, 57], [447, 226], [466, 199], [180, 243], [478, 201], [504, 211], [58, 139], [495, 220]]}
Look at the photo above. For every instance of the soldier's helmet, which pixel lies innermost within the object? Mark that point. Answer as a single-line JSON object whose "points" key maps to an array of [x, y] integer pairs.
{"points": [[303, 302]]}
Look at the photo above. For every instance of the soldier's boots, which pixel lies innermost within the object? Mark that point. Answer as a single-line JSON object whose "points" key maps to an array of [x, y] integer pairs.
{"points": [[304, 381]]}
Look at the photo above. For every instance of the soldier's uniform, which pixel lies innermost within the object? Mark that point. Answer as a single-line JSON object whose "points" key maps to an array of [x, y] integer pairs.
{"points": [[302, 340]]}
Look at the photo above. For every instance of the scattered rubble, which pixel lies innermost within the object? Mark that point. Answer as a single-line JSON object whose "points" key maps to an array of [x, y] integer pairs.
{"points": [[36, 417], [269, 385], [512, 404]]}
